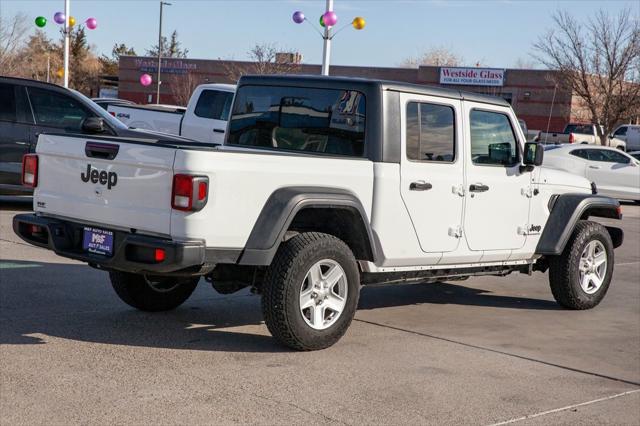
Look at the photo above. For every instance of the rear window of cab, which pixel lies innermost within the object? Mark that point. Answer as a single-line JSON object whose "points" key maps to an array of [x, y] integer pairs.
{"points": [[314, 120]]}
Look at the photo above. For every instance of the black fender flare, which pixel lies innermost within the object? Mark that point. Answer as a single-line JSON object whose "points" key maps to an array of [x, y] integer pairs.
{"points": [[567, 210], [281, 208]]}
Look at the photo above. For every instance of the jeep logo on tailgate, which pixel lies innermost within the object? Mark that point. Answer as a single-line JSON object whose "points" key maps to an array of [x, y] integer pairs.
{"points": [[99, 176]]}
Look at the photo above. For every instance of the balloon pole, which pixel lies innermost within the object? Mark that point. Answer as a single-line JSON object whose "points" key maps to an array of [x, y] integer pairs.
{"points": [[66, 42], [326, 50]]}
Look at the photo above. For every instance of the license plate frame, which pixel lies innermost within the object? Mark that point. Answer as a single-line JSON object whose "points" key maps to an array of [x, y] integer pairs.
{"points": [[97, 241]]}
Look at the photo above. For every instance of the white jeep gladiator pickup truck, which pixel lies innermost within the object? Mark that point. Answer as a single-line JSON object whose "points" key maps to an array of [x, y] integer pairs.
{"points": [[203, 120], [323, 184]]}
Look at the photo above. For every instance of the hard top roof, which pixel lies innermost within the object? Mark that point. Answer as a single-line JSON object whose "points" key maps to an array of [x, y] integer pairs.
{"points": [[320, 81]]}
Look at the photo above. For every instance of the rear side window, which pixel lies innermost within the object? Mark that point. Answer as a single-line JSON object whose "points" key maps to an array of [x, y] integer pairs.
{"points": [[328, 121], [582, 153], [493, 141], [214, 104], [56, 110], [7, 103], [430, 132]]}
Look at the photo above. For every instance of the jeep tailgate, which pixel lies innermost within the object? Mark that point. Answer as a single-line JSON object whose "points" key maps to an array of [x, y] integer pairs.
{"points": [[105, 182]]}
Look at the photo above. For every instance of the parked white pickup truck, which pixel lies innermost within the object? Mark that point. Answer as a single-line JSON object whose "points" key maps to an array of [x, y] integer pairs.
{"points": [[205, 118], [323, 184], [582, 134]]}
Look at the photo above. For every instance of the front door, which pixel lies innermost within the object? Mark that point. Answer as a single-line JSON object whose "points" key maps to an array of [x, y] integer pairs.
{"points": [[15, 121], [432, 170], [498, 192]]}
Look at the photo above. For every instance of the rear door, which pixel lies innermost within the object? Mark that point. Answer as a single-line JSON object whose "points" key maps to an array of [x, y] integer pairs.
{"points": [[15, 123], [613, 172], [206, 121], [432, 170], [105, 182]]}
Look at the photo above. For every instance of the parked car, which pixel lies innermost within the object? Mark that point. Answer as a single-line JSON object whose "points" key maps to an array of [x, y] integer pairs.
{"points": [[630, 133], [323, 184], [204, 119], [581, 134], [29, 108], [105, 102], [615, 173]]}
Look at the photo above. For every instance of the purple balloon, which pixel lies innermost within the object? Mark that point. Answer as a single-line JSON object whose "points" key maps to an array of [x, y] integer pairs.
{"points": [[330, 18], [145, 79], [298, 17], [92, 23], [59, 18]]}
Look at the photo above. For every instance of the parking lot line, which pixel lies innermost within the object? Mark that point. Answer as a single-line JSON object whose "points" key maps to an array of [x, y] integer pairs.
{"points": [[526, 358], [568, 407]]}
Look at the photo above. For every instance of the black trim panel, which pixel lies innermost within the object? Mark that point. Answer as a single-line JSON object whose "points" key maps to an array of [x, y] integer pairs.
{"points": [[280, 210], [568, 209]]}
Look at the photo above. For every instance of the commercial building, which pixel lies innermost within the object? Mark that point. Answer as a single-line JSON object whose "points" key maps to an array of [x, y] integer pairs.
{"points": [[532, 93]]}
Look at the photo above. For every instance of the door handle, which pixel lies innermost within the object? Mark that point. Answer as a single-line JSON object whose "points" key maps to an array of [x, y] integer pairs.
{"points": [[218, 130], [594, 167], [478, 187], [22, 143], [420, 186]]}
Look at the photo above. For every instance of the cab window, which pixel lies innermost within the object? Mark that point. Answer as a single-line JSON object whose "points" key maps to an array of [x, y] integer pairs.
{"points": [[493, 141], [214, 104], [430, 134], [56, 110], [622, 131]]}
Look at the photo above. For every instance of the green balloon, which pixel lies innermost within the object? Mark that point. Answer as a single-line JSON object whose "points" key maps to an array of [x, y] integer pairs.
{"points": [[41, 21], [322, 21]]}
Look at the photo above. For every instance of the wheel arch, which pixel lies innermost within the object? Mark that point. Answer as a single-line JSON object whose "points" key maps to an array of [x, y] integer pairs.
{"points": [[330, 210], [567, 210]]}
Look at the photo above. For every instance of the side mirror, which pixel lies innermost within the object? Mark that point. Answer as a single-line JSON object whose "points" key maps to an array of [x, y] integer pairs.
{"points": [[610, 135], [93, 125], [533, 154]]}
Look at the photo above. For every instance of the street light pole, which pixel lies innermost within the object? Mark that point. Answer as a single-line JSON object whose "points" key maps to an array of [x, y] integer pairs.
{"points": [[158, 82], [326, 49], [66, 42]]}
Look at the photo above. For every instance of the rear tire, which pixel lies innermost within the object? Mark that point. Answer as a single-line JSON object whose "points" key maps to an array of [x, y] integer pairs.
{"points": [[152, 294], [580, 276], [310, 291]]}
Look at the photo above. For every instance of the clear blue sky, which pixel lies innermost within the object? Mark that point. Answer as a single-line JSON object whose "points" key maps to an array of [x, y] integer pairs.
{"points": [[495, 33]]}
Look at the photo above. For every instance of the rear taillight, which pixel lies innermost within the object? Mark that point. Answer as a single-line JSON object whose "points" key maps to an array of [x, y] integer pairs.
{"points": [[572, 138], [30, 170], [189, 193]]}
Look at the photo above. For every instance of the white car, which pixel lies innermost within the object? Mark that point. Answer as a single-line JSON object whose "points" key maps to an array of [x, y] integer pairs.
{"points": [[615, 173]]}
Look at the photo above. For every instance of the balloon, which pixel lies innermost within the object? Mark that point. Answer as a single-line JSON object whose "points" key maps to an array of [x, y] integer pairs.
{"points": [[60, 73], [59, 18], [41, 21], [358, 22], [322, 20], [145, 79], [92, 23], [72, 21], [298, 17], [330, 18]]}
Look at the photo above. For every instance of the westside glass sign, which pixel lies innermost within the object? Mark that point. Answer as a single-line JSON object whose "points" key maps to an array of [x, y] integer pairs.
{"points": [[472, 76]]}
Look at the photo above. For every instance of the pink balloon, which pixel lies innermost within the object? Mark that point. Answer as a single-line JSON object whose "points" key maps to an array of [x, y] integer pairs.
{"points": [[145, 79], [92, 23], [330, 18]]}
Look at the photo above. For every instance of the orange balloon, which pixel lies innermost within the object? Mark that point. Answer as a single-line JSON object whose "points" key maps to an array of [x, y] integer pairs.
{"points": [[60, 73], [358, 23], [72, 21]]}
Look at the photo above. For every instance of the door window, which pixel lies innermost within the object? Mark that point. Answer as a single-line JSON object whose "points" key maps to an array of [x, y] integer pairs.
{"points": [[56, 110], [493, 141], [430, 132], [606, 156], [7, 103], [622, 131], [214, 104], [582, 153]]}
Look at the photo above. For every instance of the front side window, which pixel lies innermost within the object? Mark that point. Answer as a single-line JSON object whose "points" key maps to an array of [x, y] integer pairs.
{"points": [[214, 104], [56, 110], [430, 132], [606, 156], [328, 121], [622, 131], [493, 141]]}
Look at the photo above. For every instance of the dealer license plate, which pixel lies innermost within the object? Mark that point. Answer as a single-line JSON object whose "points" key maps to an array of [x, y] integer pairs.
{"points": [[98, 241]]}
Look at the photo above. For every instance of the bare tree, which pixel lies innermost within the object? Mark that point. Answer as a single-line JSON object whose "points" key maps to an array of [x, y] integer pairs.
{"points": [[13, 33], [599, 61], [264, 59], [436, 56], [182, 86], [524, 64]]}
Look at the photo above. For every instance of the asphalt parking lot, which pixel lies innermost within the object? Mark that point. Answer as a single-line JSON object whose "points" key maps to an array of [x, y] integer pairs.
{"points": [[481, 351]]}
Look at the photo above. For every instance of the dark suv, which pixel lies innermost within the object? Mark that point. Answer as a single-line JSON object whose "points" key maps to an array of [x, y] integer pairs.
{"points": [[28, 108]]}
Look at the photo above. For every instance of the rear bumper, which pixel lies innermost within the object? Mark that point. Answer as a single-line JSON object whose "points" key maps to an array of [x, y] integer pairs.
{"points": [[130, 251]]}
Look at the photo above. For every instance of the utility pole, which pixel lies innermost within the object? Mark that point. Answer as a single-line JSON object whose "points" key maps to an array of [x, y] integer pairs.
{"points": [[67, 28], [158, 82], [326, 50]]}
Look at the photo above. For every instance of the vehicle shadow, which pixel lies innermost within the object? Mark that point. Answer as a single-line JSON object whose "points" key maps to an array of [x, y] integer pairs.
{"points": [[41, 301]]}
